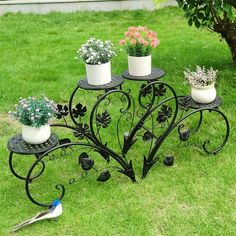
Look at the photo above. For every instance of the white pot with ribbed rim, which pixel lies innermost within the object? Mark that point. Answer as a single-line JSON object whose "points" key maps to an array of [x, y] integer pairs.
{"points": [[98, 74], [140, 66], [34, 135], [204, 95]]}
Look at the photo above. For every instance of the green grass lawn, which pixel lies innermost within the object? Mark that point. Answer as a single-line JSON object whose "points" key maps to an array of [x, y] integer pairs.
{"points": [[197, 196]]}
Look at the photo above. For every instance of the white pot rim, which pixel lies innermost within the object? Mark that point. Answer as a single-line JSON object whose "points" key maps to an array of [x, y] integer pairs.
{"points": [[97, 64], [139, 56], [203, 88], [35, 126]]}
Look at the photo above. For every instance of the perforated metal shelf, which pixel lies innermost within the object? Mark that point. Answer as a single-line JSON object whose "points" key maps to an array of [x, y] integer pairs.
{"points": [[155, 75], [115, 82], [17, 145]]}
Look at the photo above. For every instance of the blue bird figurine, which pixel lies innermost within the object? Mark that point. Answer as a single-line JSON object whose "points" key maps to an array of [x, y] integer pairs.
{"points": [[54, 211]]}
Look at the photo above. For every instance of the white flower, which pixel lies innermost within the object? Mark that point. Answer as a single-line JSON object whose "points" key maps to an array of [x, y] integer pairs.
{"points": [[200, 77], [94, 51]]}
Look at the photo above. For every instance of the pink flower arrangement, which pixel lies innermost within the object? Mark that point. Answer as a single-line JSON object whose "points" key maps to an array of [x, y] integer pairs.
{"points": [[139, 41]]}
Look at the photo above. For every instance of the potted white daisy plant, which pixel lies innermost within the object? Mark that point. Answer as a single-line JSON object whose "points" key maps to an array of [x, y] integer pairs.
{"points": [[34, 115], [97, 56]]}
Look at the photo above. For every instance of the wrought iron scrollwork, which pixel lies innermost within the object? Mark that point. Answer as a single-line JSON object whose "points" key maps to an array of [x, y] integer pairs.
{"points": [[158, 112]]}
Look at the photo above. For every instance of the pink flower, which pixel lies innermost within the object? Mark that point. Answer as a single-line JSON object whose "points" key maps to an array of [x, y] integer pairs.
{"points": [[142, 28], [145, 43], [133, 41], [154, 43], [149, 34], [132, 28], [154, 34], [122, 42], [128, 34], [141, 40], [137, 35]]}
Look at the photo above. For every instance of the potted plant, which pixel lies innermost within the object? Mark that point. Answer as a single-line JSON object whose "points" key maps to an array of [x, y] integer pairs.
{"points": [[97, 56], [202, 82], [139, 43], [34, 114]]}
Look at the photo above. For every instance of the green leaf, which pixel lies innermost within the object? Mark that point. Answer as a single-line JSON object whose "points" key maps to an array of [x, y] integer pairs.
{"points": [[197, 23], [190, 21], [227, 8], [200, 15]]}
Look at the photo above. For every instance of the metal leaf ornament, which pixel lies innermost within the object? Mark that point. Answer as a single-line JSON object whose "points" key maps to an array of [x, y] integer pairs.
{"points": [[64, 141], [85, 161], [160, 90], [164, 114], [185, 103], [103, 119], [145, 91], [82, 130], [79, 110], [104, 176], [61, 111]]}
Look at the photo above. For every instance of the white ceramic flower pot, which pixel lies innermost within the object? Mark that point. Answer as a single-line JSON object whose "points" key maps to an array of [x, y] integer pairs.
{"points": [[140, 66], [203, 94], [98, 74], [34, 135]]}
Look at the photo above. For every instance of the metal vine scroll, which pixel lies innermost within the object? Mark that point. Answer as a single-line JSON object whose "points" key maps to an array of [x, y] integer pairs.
{"points": [[147, 117]]}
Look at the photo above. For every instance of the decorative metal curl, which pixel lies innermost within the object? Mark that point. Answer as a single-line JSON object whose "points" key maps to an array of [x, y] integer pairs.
{"points": [[149, 110], [125, 168], [155, 101], [150, 161]]}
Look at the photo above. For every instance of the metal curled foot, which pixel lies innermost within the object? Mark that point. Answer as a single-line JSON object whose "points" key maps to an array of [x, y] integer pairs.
{"points": [[24, 177]]}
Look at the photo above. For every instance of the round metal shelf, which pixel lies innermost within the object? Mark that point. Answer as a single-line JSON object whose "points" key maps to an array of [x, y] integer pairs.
{"points": [[155, 75], [17, 145], [216, 103], [115, 82]]}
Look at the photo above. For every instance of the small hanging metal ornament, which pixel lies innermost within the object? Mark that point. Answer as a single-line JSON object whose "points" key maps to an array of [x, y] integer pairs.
{"points": [[184, 134], [104, 176], [169, 160], [85, 161]]}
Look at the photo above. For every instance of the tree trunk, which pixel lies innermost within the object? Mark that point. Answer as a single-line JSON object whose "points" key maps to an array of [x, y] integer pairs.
{"points": [[227, 31], [231, 41]]}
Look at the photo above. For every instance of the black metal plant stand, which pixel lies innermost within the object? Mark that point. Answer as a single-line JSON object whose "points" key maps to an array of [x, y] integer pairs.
{"points": [[158, 112]]}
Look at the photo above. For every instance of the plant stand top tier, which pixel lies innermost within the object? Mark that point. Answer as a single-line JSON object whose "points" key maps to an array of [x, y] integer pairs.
{"points": [[155, 75], [116, 81]]}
